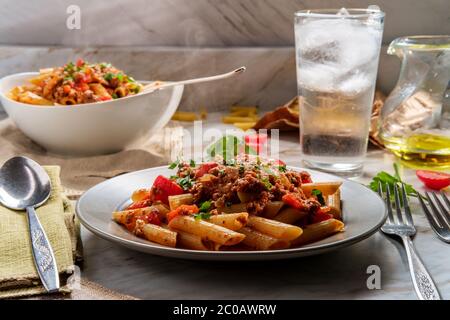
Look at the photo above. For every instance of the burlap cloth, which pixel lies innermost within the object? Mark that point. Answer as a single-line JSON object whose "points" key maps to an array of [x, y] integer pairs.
{"points": [[70, 176]]}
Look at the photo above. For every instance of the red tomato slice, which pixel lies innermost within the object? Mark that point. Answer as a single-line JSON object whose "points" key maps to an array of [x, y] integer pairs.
{"points": [[433, 179], [163, 188], [204, 168], [258, 138]]}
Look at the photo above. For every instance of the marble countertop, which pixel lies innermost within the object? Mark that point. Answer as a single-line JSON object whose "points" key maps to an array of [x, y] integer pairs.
{"points": [[340, 274]]}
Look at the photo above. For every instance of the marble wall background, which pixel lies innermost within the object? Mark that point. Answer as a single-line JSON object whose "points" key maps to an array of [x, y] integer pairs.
{"points": [[200, 23], [179, 39]]}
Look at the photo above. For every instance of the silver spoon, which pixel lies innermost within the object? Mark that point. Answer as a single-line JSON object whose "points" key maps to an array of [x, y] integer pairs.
{"points": [[24, 185], [163, 85]]}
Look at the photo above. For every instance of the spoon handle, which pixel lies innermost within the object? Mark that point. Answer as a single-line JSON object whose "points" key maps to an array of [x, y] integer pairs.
{"points": [[43, 254], [152, 87]]}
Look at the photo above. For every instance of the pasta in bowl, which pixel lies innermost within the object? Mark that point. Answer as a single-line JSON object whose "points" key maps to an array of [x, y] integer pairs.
{"points": [[98, 123], [76, 83], [243, 205]]}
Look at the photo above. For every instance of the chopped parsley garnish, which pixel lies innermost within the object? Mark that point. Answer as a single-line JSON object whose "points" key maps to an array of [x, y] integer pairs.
{"points": [[119, 76], [205, 206], [202, 216], [114, 96], [70, 67], [319, 196], [105, 65], [109, 76], [266, 183], [282, 168], [192, 163], [203, 211], [174, 164], [185, 182]]}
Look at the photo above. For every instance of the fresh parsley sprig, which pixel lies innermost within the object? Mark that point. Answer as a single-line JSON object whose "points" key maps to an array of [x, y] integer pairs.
{"points": [[391, 180]]}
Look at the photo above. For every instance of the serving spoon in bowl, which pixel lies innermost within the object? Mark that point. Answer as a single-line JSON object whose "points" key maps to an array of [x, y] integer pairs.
{"points": [[159, 85], [24, 185]]}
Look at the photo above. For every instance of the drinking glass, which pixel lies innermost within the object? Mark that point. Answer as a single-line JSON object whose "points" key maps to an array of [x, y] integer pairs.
{"points": [[337, 53]]}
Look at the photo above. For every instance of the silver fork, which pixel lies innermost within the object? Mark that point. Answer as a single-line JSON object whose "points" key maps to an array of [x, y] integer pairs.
{"points": [[422, 281], [439, 219]]}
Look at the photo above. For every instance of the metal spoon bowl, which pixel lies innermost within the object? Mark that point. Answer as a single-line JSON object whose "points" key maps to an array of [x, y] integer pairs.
{"points": [[24, 185]]}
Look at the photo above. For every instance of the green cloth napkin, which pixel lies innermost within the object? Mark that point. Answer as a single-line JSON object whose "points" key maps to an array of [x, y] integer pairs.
{"points": [[18, 275]]}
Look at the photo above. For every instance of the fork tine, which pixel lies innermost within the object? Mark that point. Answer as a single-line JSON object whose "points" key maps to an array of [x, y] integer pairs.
{"points": [[398, 208], [435, 210], [431, 219], [444, 196], [380, 189], [408, 214], [389, 204], [444, 213]]}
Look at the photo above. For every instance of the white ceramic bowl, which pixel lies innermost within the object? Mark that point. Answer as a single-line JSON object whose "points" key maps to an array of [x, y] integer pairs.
{"points": [[93, 128]]}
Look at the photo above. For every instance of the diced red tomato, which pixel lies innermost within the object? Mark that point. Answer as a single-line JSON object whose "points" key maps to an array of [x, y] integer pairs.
{"points": [[67, 88], [148, 217], [204, 168], [433, 179], [306, 178], [279, 163], [292, 200], [82, 87], [105, 98], [140, 204], [163, 188], [86, 78], [184, 209], [80, 62], [152, 218], [321, 215], [258, 138]]}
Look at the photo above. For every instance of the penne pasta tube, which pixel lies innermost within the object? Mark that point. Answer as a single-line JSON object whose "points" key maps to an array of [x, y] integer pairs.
{"points": [[99, 90], [160, 235], [234, 208], [235, 119], [178, 200], [274, 228], [243, 113], [261, 241], [326, 188], [184, 116], [333, 201], [206, 230], [290, 215], [191, 241], [272, 208], [318, 231], [232, 221]]}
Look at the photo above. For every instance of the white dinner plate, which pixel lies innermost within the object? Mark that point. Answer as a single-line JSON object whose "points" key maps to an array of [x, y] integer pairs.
{"points": [[364, 212]]}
